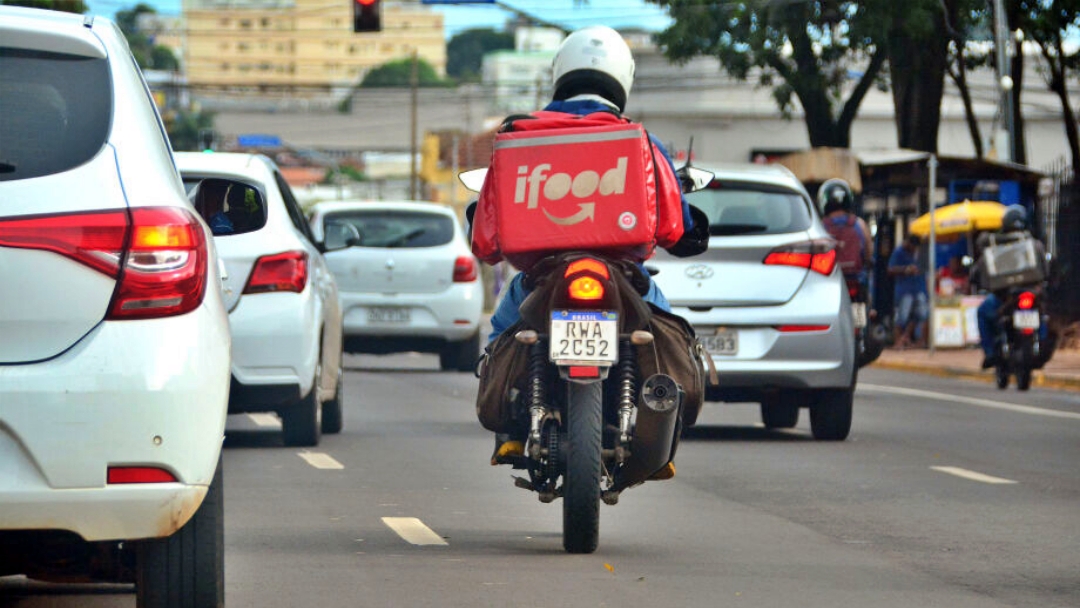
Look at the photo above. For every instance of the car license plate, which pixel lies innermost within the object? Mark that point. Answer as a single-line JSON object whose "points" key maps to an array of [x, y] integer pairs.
{"points": [[387, 314], [858, 314], [1026, 319], [723, 342], [584, 337]]}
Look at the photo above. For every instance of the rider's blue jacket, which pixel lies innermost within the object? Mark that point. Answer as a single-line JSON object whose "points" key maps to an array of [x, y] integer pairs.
{"points": [[506, 313]]}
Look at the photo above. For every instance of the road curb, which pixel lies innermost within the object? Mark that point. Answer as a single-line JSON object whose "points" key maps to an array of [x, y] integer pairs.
{"points": [[1038, 377]]}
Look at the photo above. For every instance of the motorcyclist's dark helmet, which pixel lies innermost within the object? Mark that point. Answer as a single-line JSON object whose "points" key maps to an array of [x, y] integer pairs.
{"points": [[1015, 219], [833, 193]]}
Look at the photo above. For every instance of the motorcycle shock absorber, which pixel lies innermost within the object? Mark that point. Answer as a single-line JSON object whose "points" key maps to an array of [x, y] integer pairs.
{"points": [[627, 396], [537, 396]]}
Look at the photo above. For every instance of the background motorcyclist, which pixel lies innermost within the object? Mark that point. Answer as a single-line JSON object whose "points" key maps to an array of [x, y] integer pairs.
{"points": [[1014, 226], [855, 250], [593, 71]]}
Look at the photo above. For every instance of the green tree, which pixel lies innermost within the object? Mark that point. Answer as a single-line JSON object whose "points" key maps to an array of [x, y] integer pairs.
{"points": [[148, 55], [398, 73], [68, 6], [805, 50], [465, 51], [183, 127]]}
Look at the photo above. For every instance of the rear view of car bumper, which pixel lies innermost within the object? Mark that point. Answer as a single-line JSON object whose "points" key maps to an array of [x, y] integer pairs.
{"points": [[113, 400], [450, 316]]}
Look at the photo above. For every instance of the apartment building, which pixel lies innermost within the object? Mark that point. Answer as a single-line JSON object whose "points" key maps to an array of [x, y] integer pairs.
{"points": [[300, 45]]}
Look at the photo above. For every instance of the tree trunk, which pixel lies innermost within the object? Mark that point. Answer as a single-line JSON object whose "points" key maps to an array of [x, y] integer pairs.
{"points": [[1059, 85], [1017, 139], [959, 77], [917, 67]]}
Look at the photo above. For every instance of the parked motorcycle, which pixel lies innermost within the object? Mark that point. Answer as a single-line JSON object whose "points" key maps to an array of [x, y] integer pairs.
{"points": [[1020, 349], [869, 334], [595, 426]]}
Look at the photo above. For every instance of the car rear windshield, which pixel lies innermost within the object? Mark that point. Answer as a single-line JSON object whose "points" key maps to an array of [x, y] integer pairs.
{"points": [[387, 228], [746, 208], [54, 111]]}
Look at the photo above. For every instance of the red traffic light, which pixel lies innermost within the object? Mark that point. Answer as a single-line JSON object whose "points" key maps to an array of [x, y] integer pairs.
{"points": [[367, 15], [366, 2]]}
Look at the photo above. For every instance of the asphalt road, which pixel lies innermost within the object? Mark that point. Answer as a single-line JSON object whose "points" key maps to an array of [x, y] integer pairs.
{"points": [[948, 493]]}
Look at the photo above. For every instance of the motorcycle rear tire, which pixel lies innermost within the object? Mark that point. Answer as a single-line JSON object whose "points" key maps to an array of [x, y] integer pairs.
{"points": [[1001, 375], [581, 481]]}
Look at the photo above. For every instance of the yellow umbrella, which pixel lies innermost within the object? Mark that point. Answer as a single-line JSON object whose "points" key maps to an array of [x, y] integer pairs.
{"points": [[960, 218]]}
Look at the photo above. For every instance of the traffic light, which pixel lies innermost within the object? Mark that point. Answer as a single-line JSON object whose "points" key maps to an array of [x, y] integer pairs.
{"points": [[367, 15]]}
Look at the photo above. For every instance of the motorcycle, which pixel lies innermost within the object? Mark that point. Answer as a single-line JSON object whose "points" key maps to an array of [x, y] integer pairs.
{"points": [[1019, 346], [869, 335], [595, 428]]}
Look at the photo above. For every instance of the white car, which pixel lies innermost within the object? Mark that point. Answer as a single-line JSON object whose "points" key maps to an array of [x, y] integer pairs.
{"points": [[408, 279], [114, 339], [282, 298], [767, 299]]}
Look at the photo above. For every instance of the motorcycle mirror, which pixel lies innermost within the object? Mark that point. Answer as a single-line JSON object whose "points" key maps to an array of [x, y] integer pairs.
{"points": [[700, 178], [474, 179]]}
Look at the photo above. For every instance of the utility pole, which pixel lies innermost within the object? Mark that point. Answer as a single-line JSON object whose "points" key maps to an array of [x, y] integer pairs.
{"points": [[1005, 83], [414, 85]]}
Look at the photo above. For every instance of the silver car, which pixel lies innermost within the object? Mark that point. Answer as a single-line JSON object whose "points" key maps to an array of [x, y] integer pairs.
{"points": [[407, 279], [767, 300]]}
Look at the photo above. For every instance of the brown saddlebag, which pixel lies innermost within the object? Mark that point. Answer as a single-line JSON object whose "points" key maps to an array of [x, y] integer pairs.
{"points": [[502, 382], [676, 351]]}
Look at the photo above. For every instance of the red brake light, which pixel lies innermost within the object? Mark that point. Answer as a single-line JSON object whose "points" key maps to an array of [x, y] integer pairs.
{"points": [[279, 272], [164, 272], [801, 328], [586, 289], [95, 239], [139, 475], [589, 264], [464, 269], [819, 256], [1026, 301]]}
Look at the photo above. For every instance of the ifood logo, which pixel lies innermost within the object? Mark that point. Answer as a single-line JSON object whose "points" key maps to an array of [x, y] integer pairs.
{"points": [[531, 183]]}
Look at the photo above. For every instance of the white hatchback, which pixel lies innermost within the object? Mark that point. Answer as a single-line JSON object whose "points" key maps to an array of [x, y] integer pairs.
{"points": [[114, 340], [408, 279], [282, 298]]}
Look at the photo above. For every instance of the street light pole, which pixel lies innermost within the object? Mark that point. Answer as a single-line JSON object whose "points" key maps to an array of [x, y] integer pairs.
{"points": [[1005, 84]]}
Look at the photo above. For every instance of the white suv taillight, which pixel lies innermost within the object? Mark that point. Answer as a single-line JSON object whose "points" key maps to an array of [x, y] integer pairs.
{"points": [[157, 254], [164, 270], [464, 269], [279, 272]]}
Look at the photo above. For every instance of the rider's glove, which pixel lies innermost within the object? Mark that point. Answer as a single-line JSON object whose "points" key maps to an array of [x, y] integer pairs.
{"points": [[695, 240]]}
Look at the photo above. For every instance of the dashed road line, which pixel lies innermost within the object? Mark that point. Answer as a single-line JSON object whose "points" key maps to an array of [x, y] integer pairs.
{"points": [[973, 475], [997, 405], [320, 460], [413, 531], [265, 419]]}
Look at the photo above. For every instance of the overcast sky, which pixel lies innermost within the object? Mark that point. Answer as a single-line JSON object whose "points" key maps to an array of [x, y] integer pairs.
{"points": [[570, 13]]}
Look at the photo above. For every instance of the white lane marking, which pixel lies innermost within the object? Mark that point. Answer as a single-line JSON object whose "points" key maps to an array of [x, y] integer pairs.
{"points": [[998, 405], [413, 531], [265, 419], [972, 475], [320, 460]]}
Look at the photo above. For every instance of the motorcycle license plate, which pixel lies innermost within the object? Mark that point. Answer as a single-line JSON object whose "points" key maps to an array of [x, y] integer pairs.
{"points": [[1026, 319], [858, 314], [584, 337]]}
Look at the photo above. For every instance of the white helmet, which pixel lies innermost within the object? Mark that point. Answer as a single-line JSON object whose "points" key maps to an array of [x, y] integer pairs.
{"points": [[594, 60]]}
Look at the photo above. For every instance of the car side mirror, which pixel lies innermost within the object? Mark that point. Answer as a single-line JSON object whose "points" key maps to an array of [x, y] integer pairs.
{"points": [[340, 235], [228, 206]]}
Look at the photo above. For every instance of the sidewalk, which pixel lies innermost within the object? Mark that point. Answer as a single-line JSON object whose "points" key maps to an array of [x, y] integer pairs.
{"points": [[1062, 371]]}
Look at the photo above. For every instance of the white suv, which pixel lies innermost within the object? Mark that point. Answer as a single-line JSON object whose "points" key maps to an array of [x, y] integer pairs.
{"points": [[282, 299], [114, 340]]}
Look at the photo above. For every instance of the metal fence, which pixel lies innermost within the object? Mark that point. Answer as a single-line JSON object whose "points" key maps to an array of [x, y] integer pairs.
{"points": [[1058, 224]]}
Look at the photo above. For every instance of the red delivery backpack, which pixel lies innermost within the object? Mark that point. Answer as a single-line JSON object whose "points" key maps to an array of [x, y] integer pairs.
{"points": [[561, 182], [850, 243]]}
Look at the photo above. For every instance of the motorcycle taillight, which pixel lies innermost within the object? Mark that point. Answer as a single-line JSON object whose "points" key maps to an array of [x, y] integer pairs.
{"points": [[1025, 301], [587, 277]]}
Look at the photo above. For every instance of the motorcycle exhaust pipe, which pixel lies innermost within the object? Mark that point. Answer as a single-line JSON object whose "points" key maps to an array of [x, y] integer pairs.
{"points": [[654, 431]]}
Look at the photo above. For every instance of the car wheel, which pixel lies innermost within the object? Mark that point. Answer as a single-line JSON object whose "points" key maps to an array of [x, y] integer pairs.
{"points": [[301, 424], [460, 356], [780, 410], [333, 419], [830, 413], [187, 568]]}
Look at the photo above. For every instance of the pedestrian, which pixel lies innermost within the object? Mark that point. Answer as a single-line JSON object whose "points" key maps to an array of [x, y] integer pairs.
{"points": [[909, 295]]}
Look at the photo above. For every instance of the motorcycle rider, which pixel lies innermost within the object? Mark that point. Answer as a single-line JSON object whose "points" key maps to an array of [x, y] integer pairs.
{"points": [[1013, 227], [593, 71], [854, 246]]}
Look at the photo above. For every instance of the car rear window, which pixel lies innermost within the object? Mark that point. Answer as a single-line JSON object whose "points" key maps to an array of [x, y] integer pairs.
{"points": [[55, 111], [746, 208], [387, 228]]}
